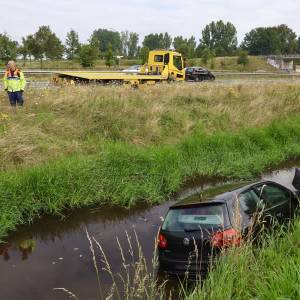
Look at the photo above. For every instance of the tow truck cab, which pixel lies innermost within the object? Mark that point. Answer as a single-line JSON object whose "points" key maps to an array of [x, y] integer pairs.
{"points": [[166, 63]]}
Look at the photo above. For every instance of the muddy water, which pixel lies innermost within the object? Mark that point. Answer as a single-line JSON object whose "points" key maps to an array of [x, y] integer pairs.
{"points": [[54, 252]]}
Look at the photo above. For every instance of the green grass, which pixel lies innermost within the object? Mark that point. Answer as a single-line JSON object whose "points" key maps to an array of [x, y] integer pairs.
{"points": [[229, 63], [123, 174], [56, 123], [270, 271]]}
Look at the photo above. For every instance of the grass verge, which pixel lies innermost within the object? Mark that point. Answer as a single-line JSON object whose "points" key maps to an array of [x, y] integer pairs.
{"points": [[268, 272], [56, 123], [123, 174]]}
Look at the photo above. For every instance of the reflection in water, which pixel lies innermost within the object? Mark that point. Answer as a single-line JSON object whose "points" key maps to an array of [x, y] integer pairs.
{"points": [[54, 252], [26, 247], [4, 251]]}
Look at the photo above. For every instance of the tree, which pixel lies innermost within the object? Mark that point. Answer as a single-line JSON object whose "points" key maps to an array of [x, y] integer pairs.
{"points": [[45, 44], [220, 37], [106, 37], [180, 44], [270, 40], [212, 59], [166, 41], [23, 49], [109, 56], [157, 41], [124, 43], [87, 55], [205, 55], [243, 58], [152, 41], [192, 44], [143, 54], [133, 44], [28, 45], [72, 44], [186, 47], [287, 39], [8, 48]]}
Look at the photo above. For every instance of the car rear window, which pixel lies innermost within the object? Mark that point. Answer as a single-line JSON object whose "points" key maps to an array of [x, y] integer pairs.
{"points": [[196, 217]]}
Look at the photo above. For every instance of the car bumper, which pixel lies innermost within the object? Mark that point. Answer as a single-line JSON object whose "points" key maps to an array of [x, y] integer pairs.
{"points": [[180, 268]]}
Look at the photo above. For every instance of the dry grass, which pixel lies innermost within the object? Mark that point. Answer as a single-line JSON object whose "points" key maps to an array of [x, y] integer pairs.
{"points": [[76, 120]]}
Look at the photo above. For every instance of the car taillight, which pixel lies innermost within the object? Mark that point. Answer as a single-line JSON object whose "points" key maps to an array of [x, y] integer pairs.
{"points": [[162, 241], [227, 238]]}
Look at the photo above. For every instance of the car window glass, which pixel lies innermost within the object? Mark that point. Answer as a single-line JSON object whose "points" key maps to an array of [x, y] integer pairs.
{"points": [[273, 195], [250, 202], [188, 218]]}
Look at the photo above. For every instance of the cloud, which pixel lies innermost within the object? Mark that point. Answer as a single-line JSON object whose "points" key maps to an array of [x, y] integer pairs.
{"points": [[175, 16]]}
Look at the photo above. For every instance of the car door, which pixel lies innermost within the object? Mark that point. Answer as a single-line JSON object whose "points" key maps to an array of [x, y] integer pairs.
{"points": [[277, 202], [251, 209]]}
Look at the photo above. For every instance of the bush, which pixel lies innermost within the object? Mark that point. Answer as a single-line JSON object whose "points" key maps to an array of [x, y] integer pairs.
{"points": [[87, 55], [243, 58]]}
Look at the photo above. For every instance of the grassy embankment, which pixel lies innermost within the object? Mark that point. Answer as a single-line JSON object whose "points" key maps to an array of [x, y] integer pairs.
{"points": [[256, 63], [268, 272], [220, 63], [78, 146]]}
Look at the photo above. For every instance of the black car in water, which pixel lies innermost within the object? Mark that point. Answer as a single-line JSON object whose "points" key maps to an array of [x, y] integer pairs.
{"points": [[198, 74], [196, 230]]}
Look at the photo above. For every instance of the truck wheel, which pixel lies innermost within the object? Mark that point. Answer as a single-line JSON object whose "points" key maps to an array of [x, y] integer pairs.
{"points": [[171, 78]]}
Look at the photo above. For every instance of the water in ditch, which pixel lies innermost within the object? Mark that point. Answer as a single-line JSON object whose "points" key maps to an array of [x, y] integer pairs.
{"points": [[54, 252]]}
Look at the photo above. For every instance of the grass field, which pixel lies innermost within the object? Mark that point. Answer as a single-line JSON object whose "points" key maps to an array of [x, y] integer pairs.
{"points": [[72, 147], [256, 63], [79, 120]]}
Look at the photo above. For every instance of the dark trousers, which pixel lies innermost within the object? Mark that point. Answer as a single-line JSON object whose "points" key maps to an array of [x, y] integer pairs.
{"points": [[16, 98]]}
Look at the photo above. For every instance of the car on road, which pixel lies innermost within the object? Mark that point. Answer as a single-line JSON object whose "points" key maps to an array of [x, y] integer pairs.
{"points": [[196, 230], [198, 74], [133, 69]]}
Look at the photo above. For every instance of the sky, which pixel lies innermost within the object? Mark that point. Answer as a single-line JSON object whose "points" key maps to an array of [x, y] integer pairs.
{"points": [[178, 17]]}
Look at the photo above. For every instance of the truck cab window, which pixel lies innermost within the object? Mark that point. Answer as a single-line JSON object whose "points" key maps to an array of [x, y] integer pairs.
{"points": [[158, 58], [177, 61]]}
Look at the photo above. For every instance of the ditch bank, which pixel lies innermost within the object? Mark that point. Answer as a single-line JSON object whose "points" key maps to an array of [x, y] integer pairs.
{"points": [[54, 252]]}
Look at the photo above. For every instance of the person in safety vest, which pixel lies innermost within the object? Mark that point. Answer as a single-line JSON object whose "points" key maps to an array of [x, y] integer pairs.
{"points": [[14, 84]]}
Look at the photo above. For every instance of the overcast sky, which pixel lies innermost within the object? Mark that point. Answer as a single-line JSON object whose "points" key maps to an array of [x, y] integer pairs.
{"points": [[178, 17]]}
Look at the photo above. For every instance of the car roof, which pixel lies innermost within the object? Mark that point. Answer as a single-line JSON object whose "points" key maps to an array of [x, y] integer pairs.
{"points": [[219, 194], [199, 68]]}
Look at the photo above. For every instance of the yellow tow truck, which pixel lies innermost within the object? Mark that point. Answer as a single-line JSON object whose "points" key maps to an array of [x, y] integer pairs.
{"points": [[163, 65]]}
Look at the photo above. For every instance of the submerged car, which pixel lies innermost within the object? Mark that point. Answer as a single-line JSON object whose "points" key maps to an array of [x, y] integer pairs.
{"points": [[196, 230], [198, 74]]}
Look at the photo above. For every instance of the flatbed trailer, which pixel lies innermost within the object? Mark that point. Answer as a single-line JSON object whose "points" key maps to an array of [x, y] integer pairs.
{"points": [[163, 65], [109, 77]]}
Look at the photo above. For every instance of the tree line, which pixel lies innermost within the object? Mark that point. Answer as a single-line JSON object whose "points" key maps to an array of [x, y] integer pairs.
{"points": [[217, 39]]}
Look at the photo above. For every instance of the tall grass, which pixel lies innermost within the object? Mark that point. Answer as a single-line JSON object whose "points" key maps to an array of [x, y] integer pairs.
{"points": [[123, 174], [79, 120], [270, 271]]}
